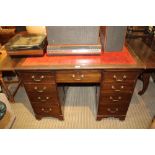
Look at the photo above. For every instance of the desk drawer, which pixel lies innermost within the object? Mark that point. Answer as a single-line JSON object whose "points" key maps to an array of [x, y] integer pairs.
{"points": [[78, 76], [40, 88], [120, 76], [47, 110], [112, 110], [43, 98], [37, 77], [115, 98], [126, 87]]}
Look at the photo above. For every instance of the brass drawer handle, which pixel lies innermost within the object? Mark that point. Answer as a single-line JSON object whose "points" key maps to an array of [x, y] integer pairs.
{"points": [[112, 111], [46, 111], [80, 77], [43, 100], [38, 80], [115, 100], [40, 90], [122, 87], [114, 88], [120, 80]]}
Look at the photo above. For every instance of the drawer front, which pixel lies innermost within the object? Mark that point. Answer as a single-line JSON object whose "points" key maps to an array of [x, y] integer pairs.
{"points": [[40, 89], [37, 77], [78, 76], [112, 110], [47, 110], [120, 76], [108, 98], [45, 104], [44, 98], [108, 87]]}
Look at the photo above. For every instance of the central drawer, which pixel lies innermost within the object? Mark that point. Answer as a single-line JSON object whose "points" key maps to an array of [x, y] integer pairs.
{"points": [[78, 76]]}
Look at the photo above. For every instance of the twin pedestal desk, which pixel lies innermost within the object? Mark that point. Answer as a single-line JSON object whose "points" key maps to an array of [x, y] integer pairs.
{"points": [[114, 73]]}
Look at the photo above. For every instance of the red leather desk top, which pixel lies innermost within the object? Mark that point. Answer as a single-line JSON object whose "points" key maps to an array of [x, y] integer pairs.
{"points": [[122, 57]]}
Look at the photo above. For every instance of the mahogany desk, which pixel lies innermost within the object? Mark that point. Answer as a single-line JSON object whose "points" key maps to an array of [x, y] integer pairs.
{"points": [[43, 78]]}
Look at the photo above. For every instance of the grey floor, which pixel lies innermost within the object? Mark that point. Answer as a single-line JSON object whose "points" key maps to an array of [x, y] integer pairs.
{"points": [[148, 97]]}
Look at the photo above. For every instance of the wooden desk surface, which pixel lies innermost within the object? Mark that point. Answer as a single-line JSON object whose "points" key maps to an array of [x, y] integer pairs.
{"points": [[84, 62], [145, 53]]}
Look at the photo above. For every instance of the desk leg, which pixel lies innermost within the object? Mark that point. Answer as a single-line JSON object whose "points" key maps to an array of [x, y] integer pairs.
{"points": [[39, 117], [145, 77], [121, 118], [6, 89]]}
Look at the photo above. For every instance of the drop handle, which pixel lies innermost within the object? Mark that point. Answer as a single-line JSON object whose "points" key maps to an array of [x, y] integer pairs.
{"points": [[115, 100], [78, 77], [114, 88], [39, 79], [43, 100], [46, 111], [112, 111], [120, 80], [40, 90]]}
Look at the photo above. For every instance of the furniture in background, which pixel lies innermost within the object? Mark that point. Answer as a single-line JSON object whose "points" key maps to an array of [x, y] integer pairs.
{"points": [[7, 121], [134, 32], [5, 88], [6, 33], [8, 80], [150, 39]]}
